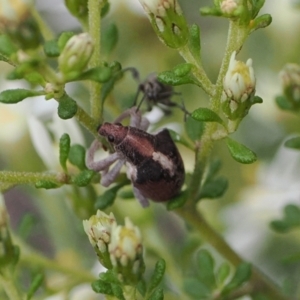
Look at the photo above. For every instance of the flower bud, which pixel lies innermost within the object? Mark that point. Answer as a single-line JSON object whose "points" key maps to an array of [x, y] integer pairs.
{"points": [[18, 24], [239, 89], [168, 21], [290, 77], [126, 252], [99, 231], [75, 56]]}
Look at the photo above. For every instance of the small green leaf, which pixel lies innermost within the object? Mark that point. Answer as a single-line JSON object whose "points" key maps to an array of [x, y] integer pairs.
{"points": [[240, 152], [261, 22], [107, 198], [77, 156], [194, 129], [35, 284], [26, 226], [179, 139], [203, 114], [222, 273], [177, 201], [45, 184], [67, 107], [6, 46], [117, 291], [51, 48], [213, 169], [102, 287], [241, 275], [194, 41], [64, 148], [142, 287], [110, 38], [290, 220], [99, 74], [158, 294], [283, 103], [182, 70], [293, 143], [105, 9], [205, 268], [63, 39], [178, 78], [214, 188], [196, 289], [17, 95], [157, 276], [83, 178]]}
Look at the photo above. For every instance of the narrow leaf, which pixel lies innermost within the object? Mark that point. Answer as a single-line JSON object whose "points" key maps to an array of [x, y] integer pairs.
{"points": [[157, 276], [194, 129], [240, 152], [194, 41], [222, 273], [293, 143], [214, 188], [64, 149], [205, 268], [196, 289], [102, 287], [35, 284], [110, 38], [203, 114], [99, 74], [158, 294], [242, 274], [17, 95], [177, 201], [83, 178], [179, 139]]}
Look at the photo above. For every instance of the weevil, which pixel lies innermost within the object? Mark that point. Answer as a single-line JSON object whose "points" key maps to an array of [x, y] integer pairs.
{"points": [[154, 164]]}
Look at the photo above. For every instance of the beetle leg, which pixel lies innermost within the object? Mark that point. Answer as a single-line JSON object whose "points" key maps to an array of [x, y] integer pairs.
{"points": [[101, 164], [142, 200], [108, 177]]}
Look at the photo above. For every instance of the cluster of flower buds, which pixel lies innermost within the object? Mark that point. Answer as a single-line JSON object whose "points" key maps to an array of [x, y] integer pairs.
{"points": [[239, 91], [118, 247], [168, 21]]}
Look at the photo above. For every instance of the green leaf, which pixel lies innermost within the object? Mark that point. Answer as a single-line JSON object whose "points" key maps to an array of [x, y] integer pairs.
{"points": [[107, 198], [46, 184], [6, 46], [158, 274], [51, 48], [203, 114], [77, 156], [194, 129], [196, 289], [290, 220], [283, 103], [102, 287], [213, 169], [158, 294], [293, 143], [205, 268], [177, 201], [110, 38], [25, 228], [222, 273], [240, 152], [83, 178], [181, 74], [35, 284], [182, 70], [179, 139], [64, 149], [214, 188], [63, 39], [67, 107], [142, 287], [17, 95], [117, 291], [194, 41], [242, 274], [99, 74]]}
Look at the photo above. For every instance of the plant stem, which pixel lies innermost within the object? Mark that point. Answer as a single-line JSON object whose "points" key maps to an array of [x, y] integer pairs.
{"points": [[10, 288], [45, 30], [94, 7], [30, 177], [258, 280]]}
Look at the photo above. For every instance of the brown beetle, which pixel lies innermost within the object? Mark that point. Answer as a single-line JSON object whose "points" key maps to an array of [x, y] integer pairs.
{"points": [[154, 164]]}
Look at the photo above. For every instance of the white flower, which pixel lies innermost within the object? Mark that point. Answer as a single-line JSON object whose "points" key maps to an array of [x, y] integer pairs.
{"points": [[229, 6], [239, 81], [126, 244], [99, 229]]}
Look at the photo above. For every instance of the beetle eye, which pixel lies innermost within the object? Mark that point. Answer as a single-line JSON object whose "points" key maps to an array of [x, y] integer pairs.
{"points": [[110, 138]]}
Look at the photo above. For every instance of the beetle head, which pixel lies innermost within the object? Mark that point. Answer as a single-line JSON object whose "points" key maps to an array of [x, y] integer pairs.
{"points": [[115, 133]]}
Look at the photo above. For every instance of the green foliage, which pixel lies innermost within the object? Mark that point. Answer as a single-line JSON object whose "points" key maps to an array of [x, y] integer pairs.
{"points": [[83, 178], [194, 41], [107, 198], [35, 284], [194, 128], [110, 38], [240, 152], [51, 48], [77, 156], [290, 220], [206, 115], [67, 107], [64, 149], [99, 74], [16, 95], [46, 184], [293, 143]]}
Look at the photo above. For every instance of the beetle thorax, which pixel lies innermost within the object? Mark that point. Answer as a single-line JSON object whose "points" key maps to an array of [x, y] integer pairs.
{"points": [[115, 133]]}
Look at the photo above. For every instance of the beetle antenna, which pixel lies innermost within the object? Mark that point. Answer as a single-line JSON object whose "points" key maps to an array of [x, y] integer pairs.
{"points": [[142, 100]]}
